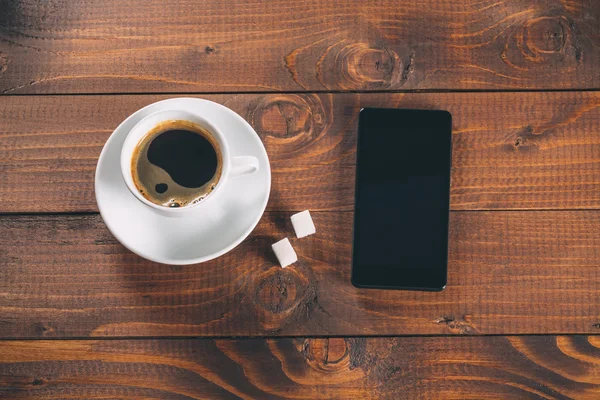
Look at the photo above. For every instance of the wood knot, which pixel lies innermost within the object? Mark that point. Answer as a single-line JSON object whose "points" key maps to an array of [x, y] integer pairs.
{"points": [[277, 291], [548, 44], [326, 351], [44, 330], [327, 354], [209, 49], [39, 381], [547, 34], [462, 326], [364, 66], [519, 141], [283, 296], [444, 319], [541, 39], [528, 130], [525, 139], [291, 122]]}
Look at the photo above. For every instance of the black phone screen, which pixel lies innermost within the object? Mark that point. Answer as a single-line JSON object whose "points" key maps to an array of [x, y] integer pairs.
{"points": [[402, 199]]}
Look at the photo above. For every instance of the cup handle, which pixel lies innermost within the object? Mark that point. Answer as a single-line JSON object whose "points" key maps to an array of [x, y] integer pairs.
{"points": [[243, 165]]}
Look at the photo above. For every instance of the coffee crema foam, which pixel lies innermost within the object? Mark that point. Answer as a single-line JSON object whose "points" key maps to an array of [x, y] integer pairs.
{"points": [[176, 164]]}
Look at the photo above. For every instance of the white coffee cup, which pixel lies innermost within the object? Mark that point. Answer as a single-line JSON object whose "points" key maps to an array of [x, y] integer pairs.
{"points": [[231, 166]]}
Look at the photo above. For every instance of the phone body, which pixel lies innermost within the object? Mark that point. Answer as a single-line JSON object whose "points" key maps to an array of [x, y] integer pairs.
{"points": [[402, 199]]}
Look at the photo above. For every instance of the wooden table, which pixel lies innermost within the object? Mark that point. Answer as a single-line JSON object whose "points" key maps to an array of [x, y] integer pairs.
{"points": [[82, 317]]}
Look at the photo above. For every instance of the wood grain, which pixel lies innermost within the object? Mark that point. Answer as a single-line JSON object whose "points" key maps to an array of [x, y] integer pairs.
{"points": [[70, 46], [510, 150], [509, 273], [549, 367]]}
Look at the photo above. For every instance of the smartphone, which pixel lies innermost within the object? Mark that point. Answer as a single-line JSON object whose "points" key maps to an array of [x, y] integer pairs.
{"points": [[402, 199]]}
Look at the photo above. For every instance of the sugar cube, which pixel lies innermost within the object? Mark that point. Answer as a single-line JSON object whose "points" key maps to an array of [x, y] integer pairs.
{"points": [[303, 224], [284, 252]]}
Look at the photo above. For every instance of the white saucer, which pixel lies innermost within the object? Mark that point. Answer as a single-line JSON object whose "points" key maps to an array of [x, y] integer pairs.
{"points": [[203, 235]]}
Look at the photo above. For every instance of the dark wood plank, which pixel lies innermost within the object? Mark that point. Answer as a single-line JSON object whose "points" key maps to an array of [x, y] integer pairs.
{"points": [[69, 46], [509, 273], [511, 150], [549, 367]]}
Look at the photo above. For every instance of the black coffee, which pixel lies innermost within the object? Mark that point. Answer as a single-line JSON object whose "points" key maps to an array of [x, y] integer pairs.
{"points": [[176, 164]]}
